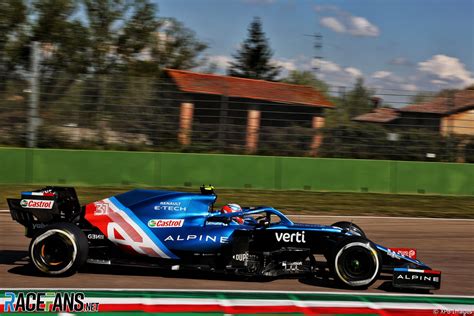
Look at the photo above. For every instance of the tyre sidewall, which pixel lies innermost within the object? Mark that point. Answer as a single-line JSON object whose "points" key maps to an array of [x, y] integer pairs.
{"points": [[78, 241], [343, 246]]}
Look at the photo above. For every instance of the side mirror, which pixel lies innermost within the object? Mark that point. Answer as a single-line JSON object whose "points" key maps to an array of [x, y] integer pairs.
{"points": [[263, 223]]}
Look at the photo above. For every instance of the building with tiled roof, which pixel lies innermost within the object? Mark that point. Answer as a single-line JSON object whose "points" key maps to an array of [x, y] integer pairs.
{"points": [[251, 89], [444, 105], [235, 110], [378, 115], [449, 114]]}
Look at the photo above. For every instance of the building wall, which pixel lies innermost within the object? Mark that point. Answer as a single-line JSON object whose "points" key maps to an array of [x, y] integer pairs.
{"points": [[460, 123], [430, 122], [230, 129]]}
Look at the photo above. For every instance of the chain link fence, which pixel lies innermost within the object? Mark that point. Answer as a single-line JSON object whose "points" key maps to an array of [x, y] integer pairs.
{"points": [[145, 113]]}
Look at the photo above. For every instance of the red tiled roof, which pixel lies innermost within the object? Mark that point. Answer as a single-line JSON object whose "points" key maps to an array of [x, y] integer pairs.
{"points": [[380, 115], [461, 100], [248, 88]]}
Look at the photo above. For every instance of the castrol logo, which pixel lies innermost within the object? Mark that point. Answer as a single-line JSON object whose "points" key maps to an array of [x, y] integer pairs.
{"points": [[37, 204], [163, 223]]}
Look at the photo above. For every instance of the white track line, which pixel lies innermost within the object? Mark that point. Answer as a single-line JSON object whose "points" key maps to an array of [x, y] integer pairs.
{"points": [[384, 217], [146, 301], [366, 217], [240, 291]]}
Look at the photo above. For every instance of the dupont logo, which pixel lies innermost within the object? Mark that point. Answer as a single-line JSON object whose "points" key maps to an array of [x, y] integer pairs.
{"points": [[36, 204], [164, 223]]}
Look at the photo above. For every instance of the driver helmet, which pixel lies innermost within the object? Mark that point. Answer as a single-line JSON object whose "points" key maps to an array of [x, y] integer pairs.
{"points": [[233, 208]]}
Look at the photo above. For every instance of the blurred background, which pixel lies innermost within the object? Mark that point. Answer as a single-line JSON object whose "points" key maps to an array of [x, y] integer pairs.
{"points": [[315, 107], [116, 74]]}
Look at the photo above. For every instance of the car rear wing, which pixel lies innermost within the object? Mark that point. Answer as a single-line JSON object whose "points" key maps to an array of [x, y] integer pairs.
{"points": [[37, 208]]}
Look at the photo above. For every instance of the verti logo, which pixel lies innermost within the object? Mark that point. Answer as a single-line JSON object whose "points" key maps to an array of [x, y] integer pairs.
{"points": [[48, 204], [48, 302], [297, 237]]}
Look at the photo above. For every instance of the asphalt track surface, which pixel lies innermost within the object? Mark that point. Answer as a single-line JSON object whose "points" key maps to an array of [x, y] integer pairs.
{"points": [[446, 245]]}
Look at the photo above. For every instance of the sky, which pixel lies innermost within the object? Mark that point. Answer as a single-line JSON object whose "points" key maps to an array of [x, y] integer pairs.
{"points": [[408, 45]]}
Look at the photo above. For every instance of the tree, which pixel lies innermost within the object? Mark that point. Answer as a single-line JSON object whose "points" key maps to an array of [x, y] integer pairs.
{"points": [[358, 100], [128, 40], [13, 14], [369, 141], [102, 19], [92, 53], [253, 59], [94, 37], [177, 46], [306, 78], [349, 105], [128, 35], [64, 42], [138, 32], [421, 97]]}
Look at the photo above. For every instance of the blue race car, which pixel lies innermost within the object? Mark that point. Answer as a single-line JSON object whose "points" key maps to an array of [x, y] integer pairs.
{"points": [[179, 230]]}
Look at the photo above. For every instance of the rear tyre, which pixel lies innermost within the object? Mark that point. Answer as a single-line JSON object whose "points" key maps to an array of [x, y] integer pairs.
{"points": [[59, 249], [351, 227], [355, 263]]}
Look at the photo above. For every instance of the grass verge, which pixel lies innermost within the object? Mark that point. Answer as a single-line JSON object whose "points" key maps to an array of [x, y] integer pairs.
{"points": [[306, 202]]}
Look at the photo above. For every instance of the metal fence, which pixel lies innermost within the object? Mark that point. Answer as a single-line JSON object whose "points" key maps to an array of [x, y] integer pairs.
{"points": [[142, 113]]}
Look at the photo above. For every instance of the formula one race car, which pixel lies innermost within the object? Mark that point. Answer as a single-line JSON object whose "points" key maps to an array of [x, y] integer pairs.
{"points": [[179, 231]]}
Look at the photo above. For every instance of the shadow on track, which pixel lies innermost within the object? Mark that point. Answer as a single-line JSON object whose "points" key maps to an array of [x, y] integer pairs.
{"points": [[25, 268], [9, 257], [159, 272], [326, 281], [20, 261], [388, 287], [22, 266]]}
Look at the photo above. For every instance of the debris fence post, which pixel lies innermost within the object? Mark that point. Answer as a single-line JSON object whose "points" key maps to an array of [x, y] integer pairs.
{"points": [[33, 111]]}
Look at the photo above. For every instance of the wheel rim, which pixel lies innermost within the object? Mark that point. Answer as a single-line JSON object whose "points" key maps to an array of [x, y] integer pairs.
{"points": [[54, 251], [357, 264]]}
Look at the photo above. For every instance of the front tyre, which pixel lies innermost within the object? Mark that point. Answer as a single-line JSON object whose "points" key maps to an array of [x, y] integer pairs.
{"points": [[59, 250], [356, 263]]}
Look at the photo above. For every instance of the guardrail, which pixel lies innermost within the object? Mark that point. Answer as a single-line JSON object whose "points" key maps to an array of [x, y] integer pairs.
{"points": [[142, 169]]}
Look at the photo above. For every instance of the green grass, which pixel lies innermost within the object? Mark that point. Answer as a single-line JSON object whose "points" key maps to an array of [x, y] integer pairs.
{"points": [[306, 202]]}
